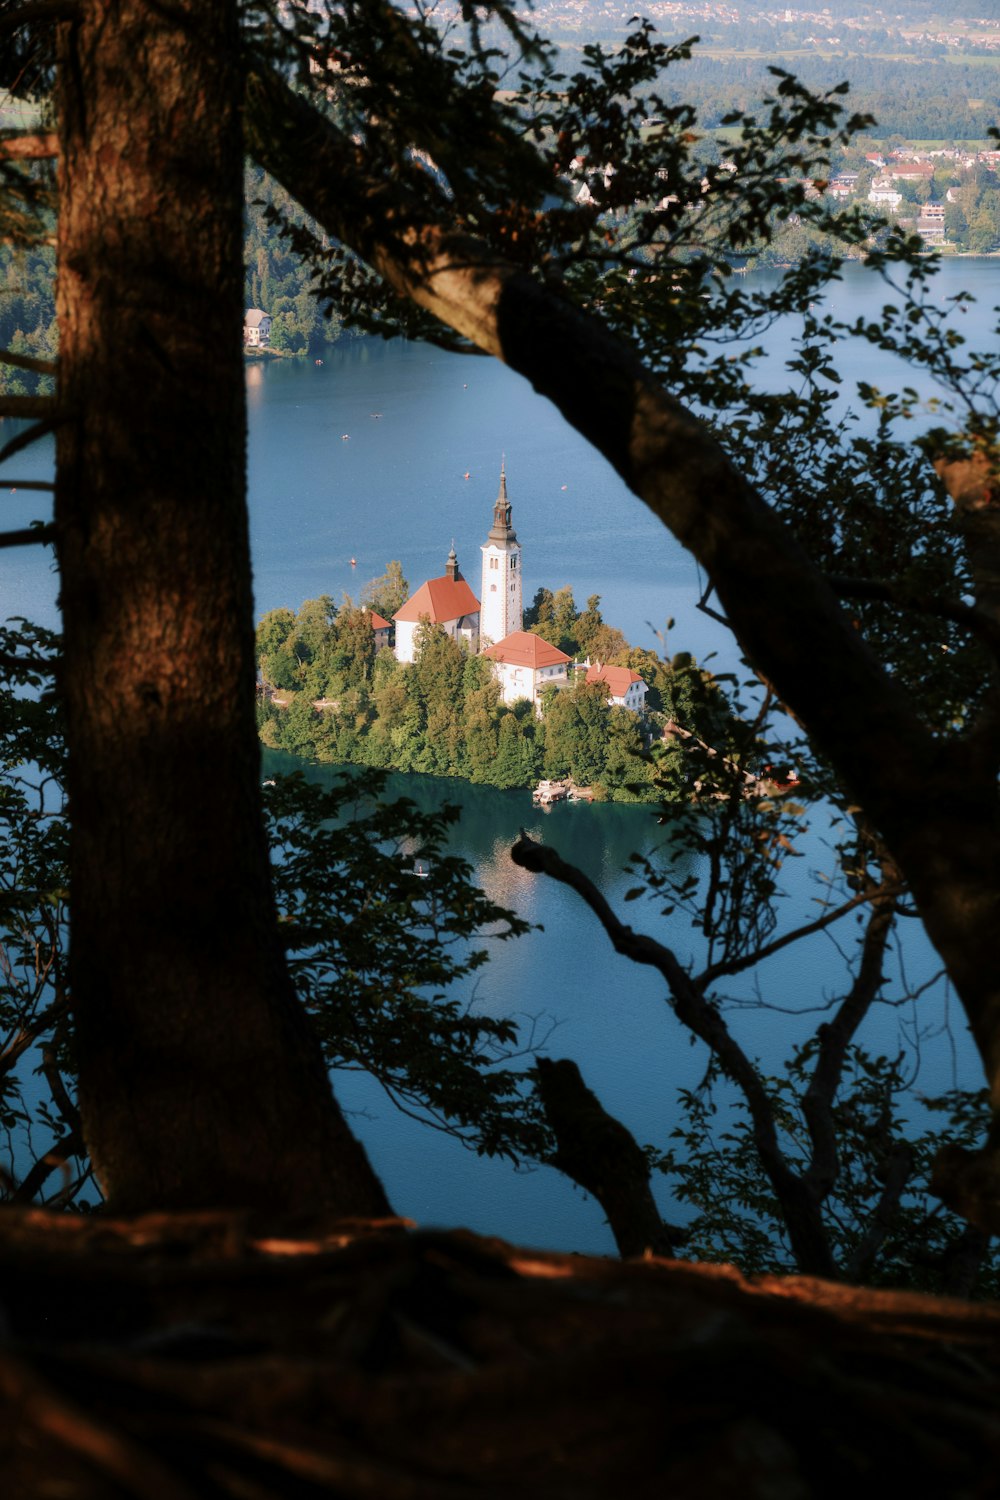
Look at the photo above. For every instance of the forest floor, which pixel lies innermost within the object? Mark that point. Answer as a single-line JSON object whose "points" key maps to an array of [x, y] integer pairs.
{"points": [[213, 1355]]}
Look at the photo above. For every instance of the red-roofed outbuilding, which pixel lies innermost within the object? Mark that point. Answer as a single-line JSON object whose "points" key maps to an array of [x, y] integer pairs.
{"points": [[525, 664], [381, 629], [625, 687]]}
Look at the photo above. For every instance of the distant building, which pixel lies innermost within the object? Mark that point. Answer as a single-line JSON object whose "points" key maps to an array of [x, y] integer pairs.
{"points": [[500, 610], [912, 171], [446, 601], [626, 688], [884, 195], [525, 665], [381, 629], [257, 328]]}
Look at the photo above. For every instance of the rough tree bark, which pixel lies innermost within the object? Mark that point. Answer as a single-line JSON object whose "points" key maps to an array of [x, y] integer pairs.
{"points": [[933, 800], [200, 1081]]}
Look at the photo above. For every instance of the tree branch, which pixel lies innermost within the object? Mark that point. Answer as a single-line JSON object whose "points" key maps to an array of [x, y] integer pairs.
{"points": [[26, 406], [599, 1154], [898, 1171], [39, 10], [71, 1144], [13, 663], [967, 615], [737, 965], [26, 438], [834, 1039], [29, 147], [805, 1228], [26, 361], [27, 536]]}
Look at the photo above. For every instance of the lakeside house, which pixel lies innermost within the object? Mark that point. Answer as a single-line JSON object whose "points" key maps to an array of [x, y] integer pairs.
{"points": [[626, 688], [256, 328], [526, 664]]}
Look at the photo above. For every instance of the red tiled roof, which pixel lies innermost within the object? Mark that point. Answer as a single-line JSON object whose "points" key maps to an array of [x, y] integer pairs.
{"points": [[377, 621], [523, 649], [440, 599], [618, 679]]}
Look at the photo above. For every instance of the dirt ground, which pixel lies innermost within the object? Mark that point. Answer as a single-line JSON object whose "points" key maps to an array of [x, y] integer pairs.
{"points": [[214, 1355]]}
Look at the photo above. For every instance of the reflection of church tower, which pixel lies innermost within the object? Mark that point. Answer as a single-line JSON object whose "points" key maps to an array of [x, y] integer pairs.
{"points": [[500, 609]]}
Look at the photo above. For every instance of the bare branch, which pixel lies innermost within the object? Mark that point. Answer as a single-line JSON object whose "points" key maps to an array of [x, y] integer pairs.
{"points": [[29, 147], [71, 1144], [26, 438], [27, 406], [835, 1037], [805, 1228], [39, 10], [26, 361], [27, 536], [736, 965], [29, 484]]}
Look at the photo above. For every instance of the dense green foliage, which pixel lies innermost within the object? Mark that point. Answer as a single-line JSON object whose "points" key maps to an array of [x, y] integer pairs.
{"points": [[27, 316], [377, 950], [882, 1129], [276, 279]]}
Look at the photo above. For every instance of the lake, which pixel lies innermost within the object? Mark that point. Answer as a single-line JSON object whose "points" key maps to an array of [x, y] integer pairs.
{"points": [[364, 457]]}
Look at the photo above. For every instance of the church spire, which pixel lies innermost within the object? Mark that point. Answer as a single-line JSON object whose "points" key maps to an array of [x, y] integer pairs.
{"points": [[451, 566], [502, 531]]}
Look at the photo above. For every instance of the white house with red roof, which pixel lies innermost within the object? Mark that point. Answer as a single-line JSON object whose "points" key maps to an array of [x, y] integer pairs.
{"points": [[525, 665], [625, 688], [257, 328], [448, 602], [381, 629]]}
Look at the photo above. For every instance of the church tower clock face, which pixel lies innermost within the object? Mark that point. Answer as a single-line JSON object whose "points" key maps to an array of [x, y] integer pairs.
{"points": [[500, 608]]}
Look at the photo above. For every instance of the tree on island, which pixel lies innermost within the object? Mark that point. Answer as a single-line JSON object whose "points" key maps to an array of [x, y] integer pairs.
{"points": [[183, 1008]]}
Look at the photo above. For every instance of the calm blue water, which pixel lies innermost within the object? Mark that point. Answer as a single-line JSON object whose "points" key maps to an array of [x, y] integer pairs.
{"points": [[394, 488]]}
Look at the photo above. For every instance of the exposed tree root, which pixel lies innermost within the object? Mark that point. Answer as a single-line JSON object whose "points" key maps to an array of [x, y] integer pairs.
{"points": [[212, 1355]]}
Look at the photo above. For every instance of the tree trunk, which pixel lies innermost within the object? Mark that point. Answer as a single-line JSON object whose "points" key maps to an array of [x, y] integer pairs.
{"points": [[200, 1080]]}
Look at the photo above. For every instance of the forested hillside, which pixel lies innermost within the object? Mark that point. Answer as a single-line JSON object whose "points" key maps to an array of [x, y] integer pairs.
{"points": [[276, 279]]}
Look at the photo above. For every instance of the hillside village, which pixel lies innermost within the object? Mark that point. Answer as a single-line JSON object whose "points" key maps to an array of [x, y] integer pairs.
{"points": [[451, 682]]}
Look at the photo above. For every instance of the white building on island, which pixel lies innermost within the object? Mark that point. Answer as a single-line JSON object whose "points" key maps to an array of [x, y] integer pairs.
{"points": [[448, 602], [525, 665], [625, 688], [500, 611], [257, 328]]}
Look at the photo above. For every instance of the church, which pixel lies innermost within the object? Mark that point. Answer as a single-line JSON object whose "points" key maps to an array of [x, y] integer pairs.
{"points": [[491, 624]]}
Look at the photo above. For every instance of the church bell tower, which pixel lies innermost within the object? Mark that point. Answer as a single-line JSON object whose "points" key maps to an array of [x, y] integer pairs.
{"points": [[500, 609]]}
